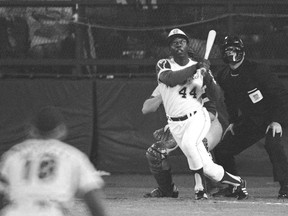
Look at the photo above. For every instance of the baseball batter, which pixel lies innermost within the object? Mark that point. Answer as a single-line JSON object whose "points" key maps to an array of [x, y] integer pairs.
{"points": [[42, 175], [165, 140], [180, 86]]}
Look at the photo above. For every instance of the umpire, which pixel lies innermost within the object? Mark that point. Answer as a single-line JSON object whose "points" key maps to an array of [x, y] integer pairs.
{"points": [[257, 104]]}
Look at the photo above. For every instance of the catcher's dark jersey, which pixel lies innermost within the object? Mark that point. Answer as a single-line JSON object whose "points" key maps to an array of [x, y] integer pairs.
{"points": [[254, 91]]}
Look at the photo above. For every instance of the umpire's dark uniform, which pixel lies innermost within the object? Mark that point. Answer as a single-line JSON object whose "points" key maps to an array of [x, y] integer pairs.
{"points": [[254, 98]]}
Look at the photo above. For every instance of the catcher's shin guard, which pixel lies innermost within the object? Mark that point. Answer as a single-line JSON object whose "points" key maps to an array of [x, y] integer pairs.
{"points": [[160, 168], [164, 181]]}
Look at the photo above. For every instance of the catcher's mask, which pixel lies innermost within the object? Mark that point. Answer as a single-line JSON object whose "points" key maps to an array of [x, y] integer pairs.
{"points": [[232, 49], [176, 33]]}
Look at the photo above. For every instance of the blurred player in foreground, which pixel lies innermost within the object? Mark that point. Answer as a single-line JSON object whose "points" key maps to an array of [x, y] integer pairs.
{"points": [[257, 104], [180, 87], [42, 176]]}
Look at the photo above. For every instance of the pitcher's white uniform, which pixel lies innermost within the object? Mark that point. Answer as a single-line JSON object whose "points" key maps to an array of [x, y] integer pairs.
{"points": [[43, 177], [185, 101]]}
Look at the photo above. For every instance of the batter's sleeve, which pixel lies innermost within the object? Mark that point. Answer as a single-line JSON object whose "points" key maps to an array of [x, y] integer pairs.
{"points": [[173, 78]]}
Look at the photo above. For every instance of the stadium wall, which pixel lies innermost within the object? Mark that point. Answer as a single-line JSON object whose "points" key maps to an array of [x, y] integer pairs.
{"points": [[21, 98]]}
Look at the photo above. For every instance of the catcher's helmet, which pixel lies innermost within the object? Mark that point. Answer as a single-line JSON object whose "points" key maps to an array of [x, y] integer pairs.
{"points": [[232, 49], [176, 33]]}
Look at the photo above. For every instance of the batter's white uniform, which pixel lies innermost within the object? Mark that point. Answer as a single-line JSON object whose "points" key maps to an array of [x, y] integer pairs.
{"points": [[43, 177], [185, 100]]}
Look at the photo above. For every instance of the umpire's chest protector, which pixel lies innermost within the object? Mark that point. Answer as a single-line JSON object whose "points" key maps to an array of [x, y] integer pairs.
{"points": [[244, 91]]}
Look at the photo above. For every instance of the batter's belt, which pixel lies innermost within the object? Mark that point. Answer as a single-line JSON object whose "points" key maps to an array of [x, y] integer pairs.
{"points": [[181, 118]]}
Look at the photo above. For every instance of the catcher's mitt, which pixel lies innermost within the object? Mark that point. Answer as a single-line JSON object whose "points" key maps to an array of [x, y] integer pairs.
{"points": [[164, 135]]}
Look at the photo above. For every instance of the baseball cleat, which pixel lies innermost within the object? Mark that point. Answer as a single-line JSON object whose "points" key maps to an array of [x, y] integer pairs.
{"points": [[200, 195], [241, 191], [282, 196], [157, 193]]}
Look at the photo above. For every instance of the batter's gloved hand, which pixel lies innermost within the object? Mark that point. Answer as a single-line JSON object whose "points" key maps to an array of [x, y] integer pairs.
{"points": [[276, 128], [205, 63], [229, 128]]}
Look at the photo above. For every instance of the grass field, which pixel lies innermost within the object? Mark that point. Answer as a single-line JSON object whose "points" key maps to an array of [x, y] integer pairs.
{"points": [[124, 197]]}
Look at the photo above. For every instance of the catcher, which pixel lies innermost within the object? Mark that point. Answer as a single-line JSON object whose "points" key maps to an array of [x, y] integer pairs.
{"points": [[165, 145]]}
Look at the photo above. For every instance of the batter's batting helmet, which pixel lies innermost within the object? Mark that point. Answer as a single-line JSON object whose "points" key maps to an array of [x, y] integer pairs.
{"points": [[232, 49], [176, 33]]}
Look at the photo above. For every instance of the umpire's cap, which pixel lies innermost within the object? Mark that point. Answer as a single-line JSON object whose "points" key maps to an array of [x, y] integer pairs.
{"points": [[176, 33]]}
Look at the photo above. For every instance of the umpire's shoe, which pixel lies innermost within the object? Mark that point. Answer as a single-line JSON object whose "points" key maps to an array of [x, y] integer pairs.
{"points": [[283, 192], [158, 193]]}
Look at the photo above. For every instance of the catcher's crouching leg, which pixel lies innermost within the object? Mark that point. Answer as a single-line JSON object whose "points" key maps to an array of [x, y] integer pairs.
{"points": [[161, 170]]}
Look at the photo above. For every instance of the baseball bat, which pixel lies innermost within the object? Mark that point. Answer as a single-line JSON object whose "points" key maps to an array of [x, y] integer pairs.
{"points": [[209, 43]]}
